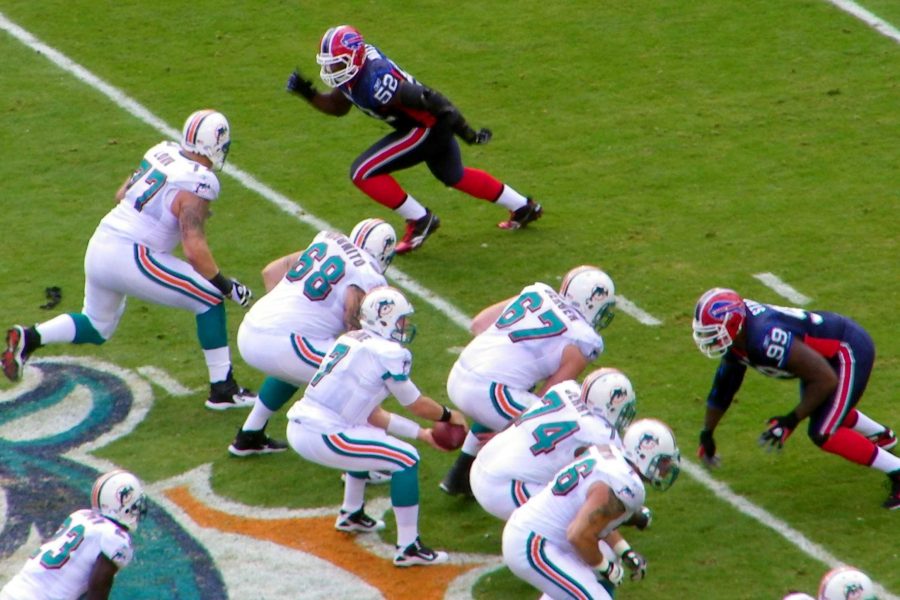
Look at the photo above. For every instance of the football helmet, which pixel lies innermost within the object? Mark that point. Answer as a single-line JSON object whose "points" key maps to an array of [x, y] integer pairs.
{"points": [[206, 132], [385, 312], [592, 293], [650, 446], [846, 583], [798, 596], [342, 53], [376, 237], [610, 394], [119, 496], [718, 317]]}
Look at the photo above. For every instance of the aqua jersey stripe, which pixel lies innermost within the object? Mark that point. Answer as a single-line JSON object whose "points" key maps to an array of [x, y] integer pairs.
{"points": [[172, 280]]}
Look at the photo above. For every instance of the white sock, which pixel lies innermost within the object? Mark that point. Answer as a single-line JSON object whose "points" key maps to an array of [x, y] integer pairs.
{"points": [[886, 462], [866, 425], [258, 417], [471, 445], [354, 494], [218, 361], [511, 199], [58, 330], [407, 524], [411, 209]]}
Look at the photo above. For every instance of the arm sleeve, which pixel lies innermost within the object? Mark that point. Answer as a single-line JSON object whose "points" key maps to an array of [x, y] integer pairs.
{"points": [[727, 381], [421, 97]]}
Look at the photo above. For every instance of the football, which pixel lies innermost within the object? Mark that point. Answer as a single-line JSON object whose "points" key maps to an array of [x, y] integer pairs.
{"points": [[448, 435]]}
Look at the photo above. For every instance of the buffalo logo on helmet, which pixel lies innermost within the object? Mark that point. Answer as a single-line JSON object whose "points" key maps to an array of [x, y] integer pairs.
{"points": [[352, 40], [720, 308]]}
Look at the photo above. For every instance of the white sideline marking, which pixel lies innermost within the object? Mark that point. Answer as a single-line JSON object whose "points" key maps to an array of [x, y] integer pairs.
{"points": [[744, 506], [164, 380], [773, 282], [869, 18], [455, 315]]}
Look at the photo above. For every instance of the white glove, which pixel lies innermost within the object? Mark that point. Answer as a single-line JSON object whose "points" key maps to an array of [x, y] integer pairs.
{"points": [[611, 571], [240, 293], [636, 563]]}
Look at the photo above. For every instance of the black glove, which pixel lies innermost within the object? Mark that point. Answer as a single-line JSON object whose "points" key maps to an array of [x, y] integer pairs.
{"points": [[240, 293], [470, 136], [780, 429], [707, 450], [298, 84], [642, 518], [636, 563]]}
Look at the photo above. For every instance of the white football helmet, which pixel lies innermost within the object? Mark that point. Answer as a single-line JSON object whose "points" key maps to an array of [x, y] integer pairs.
{"points": [[376, 237], [119, 496], [592, 293], [798, 596], [846, 583], [206, 132], [610, 393], [650, 446], [385, 312]]}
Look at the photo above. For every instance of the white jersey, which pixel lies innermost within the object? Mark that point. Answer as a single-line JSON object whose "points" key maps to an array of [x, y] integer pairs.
{"points": [[550, 512], [310, 297], [61, 568], [543, 439], [360, 371], [145, 215], [525, 344]]}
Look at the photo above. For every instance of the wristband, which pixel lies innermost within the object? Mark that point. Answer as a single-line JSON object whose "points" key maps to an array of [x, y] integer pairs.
{"points": [[621, 547], [603, 567], [446, 415], [403, 427], [221, 282]]}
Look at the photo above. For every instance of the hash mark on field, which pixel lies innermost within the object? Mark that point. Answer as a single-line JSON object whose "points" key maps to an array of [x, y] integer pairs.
{"points": [[784, 290]]}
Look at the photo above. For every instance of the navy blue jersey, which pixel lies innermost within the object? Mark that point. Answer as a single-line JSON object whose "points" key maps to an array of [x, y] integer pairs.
{"points": [[771, 330], [374, 88]]}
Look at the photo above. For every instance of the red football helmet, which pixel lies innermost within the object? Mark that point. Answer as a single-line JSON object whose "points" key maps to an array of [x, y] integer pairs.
{"points": [[718, 318], [342, 53]]}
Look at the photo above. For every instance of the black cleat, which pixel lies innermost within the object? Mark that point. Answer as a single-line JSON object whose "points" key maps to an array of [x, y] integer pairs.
{"points": [[247, 443], [417, 232], [532, 211]]}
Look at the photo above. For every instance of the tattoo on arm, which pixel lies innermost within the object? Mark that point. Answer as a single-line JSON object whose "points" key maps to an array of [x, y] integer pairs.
{"points": [[192, 219], [607, 511]]}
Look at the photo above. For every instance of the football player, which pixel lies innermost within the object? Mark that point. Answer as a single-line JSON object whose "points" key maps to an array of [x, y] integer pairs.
{"points": [[551, 540], [830, 354], [89, 548], [313, 295], [424, 123], [536, 336], [163, 204], [339, 422], [843, 583]]}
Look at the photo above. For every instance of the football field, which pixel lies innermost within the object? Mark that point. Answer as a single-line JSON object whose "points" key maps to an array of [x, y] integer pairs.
{"points": [[678, 146]]}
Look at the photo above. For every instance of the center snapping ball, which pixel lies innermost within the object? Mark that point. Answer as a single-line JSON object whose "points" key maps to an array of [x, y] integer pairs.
{"points": [[448, 435]]}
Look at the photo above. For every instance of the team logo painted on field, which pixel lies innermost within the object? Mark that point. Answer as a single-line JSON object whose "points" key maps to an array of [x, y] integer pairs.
{"points": [[193, 543]]}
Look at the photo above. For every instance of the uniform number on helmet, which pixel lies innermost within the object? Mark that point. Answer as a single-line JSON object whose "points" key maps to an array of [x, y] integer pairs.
{"points": [[530, 302], [319, 282], [336, 355], [568, 479], [548, 435]]}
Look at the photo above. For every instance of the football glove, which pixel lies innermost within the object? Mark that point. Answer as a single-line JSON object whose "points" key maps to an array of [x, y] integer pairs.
{"points": [[707, 450], [636, 563], [299, 84], [240, 293], [642, 518], [611, 571], [780, 429], [472, 137]]}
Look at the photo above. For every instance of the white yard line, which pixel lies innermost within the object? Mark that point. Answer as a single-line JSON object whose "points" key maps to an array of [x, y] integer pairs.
{"points": [[867, 17], [165, 381], [446, 308], [773, 282]]}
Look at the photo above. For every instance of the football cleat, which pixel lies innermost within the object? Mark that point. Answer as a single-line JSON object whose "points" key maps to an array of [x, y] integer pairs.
{"points": [[417, 554], [417, 231], [14, 356], [456, 481], [893, 500], [228, 394], [357, 522], [247, 443], [886, 440], [532, 211]]}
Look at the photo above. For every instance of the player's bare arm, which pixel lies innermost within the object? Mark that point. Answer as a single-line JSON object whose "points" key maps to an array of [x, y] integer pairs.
{"points": [[192, 212], [819, 380], [352, 299], [601, 508], [427, 408], [570, 367], [101, 579], [273, 272], [487, 316], [120, 193]]}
